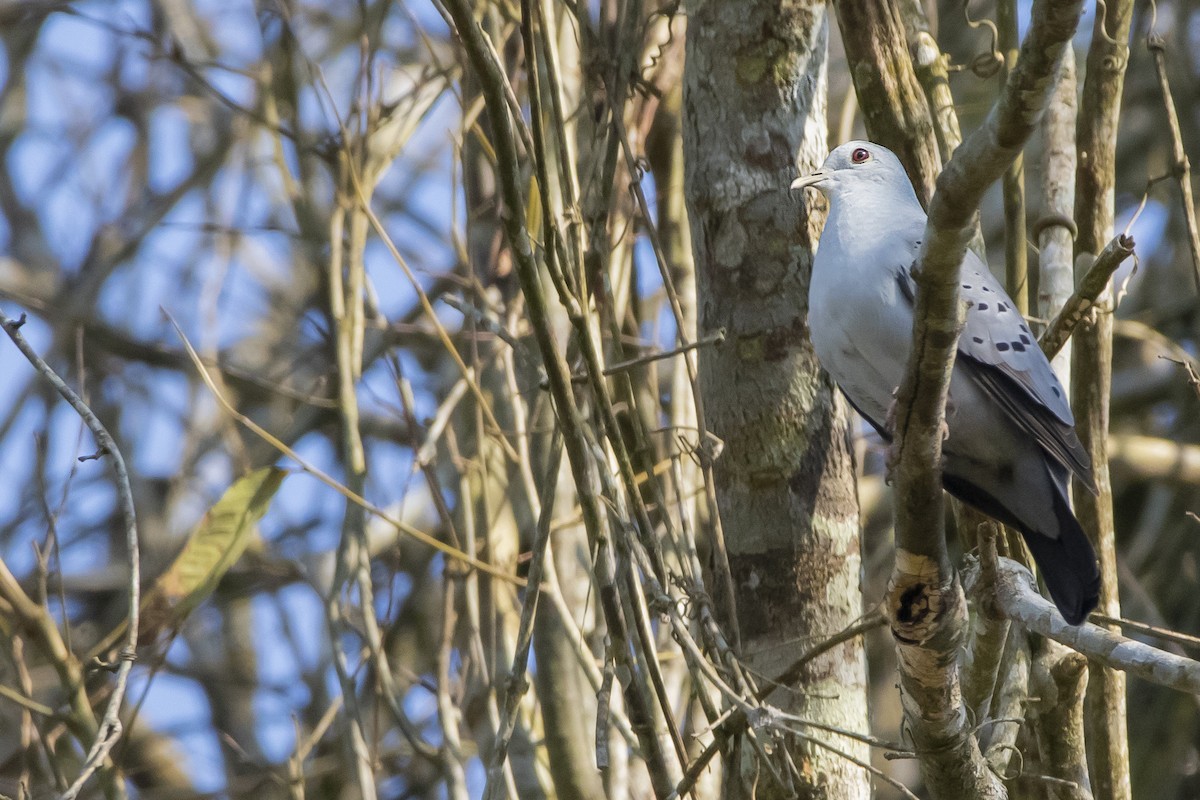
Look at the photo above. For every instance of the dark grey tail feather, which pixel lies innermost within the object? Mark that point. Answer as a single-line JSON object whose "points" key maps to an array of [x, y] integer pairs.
{"points": [[1067, 563], [1068, 566]]}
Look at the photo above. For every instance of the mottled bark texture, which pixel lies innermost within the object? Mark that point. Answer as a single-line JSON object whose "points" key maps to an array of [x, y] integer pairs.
{"points": [[1091, 375], [1059, 681], [894, 106], [754, 107]]}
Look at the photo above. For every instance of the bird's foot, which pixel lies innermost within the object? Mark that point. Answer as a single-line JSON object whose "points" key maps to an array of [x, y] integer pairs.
{"points": [[889, 419], [893, 451]]}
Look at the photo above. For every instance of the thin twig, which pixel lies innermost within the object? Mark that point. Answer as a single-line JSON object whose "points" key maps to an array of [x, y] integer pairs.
{"points": [[1182, 168], [1157, 632], [326, 479], [1084, 298], [110, 726], [517, 684], [790, 675], [878, 773], [623, 366], [492, 81]]}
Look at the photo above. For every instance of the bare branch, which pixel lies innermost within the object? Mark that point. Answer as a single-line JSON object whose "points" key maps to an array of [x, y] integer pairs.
{"points": [[894, 107], [664, 769], [1091, 373], [109, 730], [925, 601], [1020, 601], [1084, 299], [1182, 168]]}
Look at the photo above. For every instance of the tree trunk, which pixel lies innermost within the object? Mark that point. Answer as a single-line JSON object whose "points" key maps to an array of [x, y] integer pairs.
{"points": [[754, 98]]}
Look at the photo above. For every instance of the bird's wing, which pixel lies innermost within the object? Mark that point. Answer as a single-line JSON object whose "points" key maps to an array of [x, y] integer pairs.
{"points": [[999, 354]]}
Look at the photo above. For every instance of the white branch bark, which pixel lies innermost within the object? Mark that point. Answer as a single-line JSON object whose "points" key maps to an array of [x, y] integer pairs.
{"points": [[1018, 599]]}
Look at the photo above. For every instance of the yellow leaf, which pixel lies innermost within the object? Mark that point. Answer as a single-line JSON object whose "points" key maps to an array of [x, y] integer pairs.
{"points": [[533, 211], [214, 546]]}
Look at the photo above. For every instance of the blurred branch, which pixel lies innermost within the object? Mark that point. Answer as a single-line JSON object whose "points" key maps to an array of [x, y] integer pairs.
{"points": [[324, 478], [1149, 457], [1016, 247], [109, 729], [1181, 167], [1054, 232], [346, 284]]}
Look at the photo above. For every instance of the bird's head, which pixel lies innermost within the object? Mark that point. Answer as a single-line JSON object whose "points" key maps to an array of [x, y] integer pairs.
{"points": [[859, 166]]}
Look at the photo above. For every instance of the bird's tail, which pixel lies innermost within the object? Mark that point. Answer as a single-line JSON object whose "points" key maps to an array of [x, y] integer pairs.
{"points": [[1067, 563]]}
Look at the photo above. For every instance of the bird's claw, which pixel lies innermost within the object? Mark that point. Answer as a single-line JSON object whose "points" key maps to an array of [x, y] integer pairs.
{"points": [[889, 419], [893, 451]]}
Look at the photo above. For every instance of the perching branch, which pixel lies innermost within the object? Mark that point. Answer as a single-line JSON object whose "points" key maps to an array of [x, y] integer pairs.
{"points": [[925, 601], [1020, 601]]}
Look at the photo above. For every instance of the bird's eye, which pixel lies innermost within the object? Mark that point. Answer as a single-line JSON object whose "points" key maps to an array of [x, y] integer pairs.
{"points": [[860, 155]]}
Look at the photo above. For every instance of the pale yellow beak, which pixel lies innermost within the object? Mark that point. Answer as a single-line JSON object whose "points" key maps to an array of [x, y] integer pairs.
{"points": [[805, 181]]}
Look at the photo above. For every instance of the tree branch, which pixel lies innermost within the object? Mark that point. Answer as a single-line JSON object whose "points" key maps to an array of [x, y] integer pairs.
{"points": [[1084, 298], [1020, 601], [664, 767], [1058, 684], [925, 601], [893, 105], [109, 730], [1091, 373], [1181, 166]]}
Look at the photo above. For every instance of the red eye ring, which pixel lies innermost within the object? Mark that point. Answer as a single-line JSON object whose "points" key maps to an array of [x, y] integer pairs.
{"points": [[860, 155]]}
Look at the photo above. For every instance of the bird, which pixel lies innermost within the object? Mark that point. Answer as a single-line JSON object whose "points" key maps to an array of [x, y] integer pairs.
{"points": [[1010, 445]]}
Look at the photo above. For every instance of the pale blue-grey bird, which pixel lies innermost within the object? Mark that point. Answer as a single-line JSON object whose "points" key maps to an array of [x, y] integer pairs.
{"points": [[1011, 445]]}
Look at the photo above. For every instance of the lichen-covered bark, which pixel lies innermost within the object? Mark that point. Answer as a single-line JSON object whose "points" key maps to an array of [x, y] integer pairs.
{"points": [[754, 107], [1059, 682]]}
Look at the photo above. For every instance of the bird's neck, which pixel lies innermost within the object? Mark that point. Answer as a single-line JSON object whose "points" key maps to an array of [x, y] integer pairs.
{"points": [[854, 215]]}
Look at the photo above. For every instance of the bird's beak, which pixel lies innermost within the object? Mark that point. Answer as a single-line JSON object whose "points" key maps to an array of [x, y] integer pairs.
{"points": [[815, 179]]}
